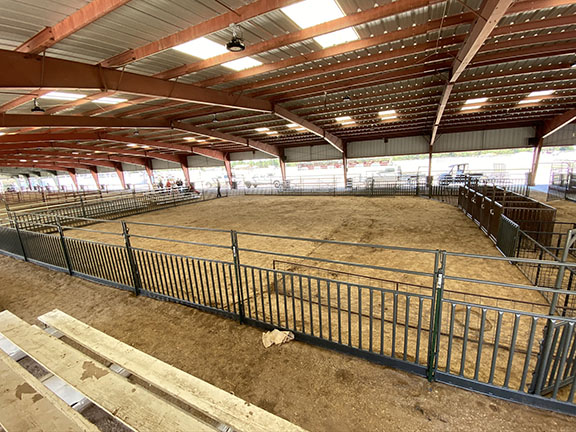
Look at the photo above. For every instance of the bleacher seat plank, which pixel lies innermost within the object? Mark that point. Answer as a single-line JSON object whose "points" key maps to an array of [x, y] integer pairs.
{"points": [[131, 404], [208, 399], [27, 405]]}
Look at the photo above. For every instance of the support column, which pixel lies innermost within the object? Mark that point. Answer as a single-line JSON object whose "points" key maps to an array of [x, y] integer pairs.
{"points": [[120, 172], [228, 168], [535, 161], [345, 162], [185, 169], [94, 172], [72, 173], [282, 162], [430, 161], [27, 177], [150, 172]]}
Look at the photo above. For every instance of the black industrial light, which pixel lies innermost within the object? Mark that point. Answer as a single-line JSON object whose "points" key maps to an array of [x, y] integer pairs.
{"points": [[347, 98], [36, 107], [136, 132], [236, 44], [214, 120]]}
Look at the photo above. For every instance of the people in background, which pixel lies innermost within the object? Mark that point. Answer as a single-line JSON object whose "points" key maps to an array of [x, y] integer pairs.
{"points": [[218, 193], [168, 184]]}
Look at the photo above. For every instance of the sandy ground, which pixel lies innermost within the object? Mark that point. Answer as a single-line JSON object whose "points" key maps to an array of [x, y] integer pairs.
{"points": [[317, 389]]}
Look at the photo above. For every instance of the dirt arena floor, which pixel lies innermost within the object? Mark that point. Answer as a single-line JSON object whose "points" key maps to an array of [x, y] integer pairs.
{"points": [[317, 389]]}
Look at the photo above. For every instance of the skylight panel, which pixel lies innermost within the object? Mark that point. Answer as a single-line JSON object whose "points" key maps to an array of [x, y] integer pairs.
{"points": [[470, 107], [191, 139], [337, 37], [476, 101], [292, 125], [110, 100], [272, 133], [309, 13], [2, 133], [343, 118], [388, 114], [262, 129], [541, 93], [63, 96], [202, 48], [242, 63], [527, 101]]}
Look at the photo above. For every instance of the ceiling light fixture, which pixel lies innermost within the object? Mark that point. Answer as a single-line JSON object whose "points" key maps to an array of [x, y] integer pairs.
{"points": [[347, 98], [215, 120], [136, 132], [36, 107], [236, 44]]}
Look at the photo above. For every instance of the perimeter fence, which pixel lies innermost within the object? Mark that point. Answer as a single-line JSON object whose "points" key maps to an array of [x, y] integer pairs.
{"points": [[467, 320]]}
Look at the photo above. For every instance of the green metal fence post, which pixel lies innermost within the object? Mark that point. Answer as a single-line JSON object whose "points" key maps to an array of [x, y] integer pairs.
{"points": [[238, 274], [136, 281], [436, 314], [83, 207], [63, 243]]}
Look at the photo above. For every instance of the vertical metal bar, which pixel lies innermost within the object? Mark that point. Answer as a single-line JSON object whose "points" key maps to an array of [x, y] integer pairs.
{"points": [[270, 298], [293, 302], [329, 311], [236, 257], [319, 308], [371, 318], [278, 321], [465, 341], [528, 354], [17, 226], [496, 346], [310, 306], [394, 323], [339, 308], [406, 325], [480, 343], [262, 296], [512, 350], [135, 274], [568, 331], [349, 317], [64, 248], [419, 329], [359, 317], [254, 294], [302, 305], [208, 287], [382, 320]]}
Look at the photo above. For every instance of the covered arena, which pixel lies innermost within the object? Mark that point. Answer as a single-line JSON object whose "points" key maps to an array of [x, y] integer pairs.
{"points": [[178, 178]]}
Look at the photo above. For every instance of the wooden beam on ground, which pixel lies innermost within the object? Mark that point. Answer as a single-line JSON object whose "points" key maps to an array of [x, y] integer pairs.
{"points": [[206, 398], [27, 405], [71, 24], [137, 408]]}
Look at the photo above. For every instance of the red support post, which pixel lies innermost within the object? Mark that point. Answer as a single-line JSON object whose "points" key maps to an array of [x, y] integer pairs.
{"points": [[345, 162], [185, 170], [228, 168], [149, 171], [94, 172], [72, 172], [120, 172]]}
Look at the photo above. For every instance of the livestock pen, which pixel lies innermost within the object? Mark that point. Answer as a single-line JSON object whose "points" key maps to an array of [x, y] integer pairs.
{"points": [[463, 318]]}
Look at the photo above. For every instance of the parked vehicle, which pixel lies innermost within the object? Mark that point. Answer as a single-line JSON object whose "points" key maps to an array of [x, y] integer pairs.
{"points": [[264, 180], [385, 175], [458, 174]]}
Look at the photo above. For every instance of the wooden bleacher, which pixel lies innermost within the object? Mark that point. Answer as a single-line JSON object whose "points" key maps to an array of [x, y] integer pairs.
{"points": [[133, 405]]}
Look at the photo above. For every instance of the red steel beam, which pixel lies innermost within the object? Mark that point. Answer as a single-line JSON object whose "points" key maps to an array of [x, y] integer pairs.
{"points": [[94, 171], [120, 172], [490, 14], [72, 173], [81, 18], [558, 122], [228, 167], [370, 14], [212, 25]]}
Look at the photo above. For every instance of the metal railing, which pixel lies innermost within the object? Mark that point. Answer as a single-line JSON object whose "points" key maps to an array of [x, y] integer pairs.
{"points": [[489, 334]]}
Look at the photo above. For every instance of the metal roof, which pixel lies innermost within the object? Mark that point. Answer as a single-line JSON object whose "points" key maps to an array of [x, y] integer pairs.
{"points": [[402, 61]]}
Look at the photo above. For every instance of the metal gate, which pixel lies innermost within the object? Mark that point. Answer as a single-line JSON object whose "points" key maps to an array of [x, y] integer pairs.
{"points": [[556, 367]]}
